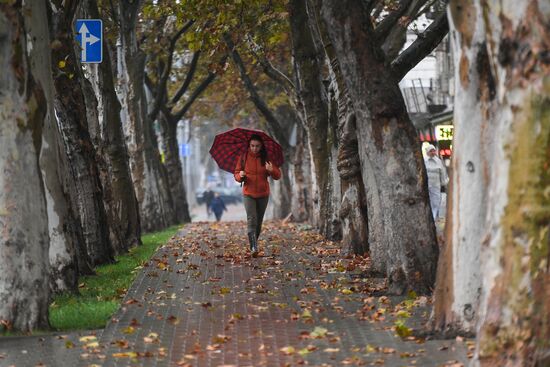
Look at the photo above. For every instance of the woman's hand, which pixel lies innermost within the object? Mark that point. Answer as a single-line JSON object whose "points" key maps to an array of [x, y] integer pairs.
{"points": [[243, 174], [269, 167]]}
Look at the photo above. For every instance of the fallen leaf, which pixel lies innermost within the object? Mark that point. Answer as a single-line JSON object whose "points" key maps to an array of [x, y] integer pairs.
{"points": [[319, 332], [306, 314], [88, 338], [125, 355], [287, 350]]}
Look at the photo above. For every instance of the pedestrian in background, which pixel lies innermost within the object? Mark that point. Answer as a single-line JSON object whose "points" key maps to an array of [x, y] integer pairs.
{"points": [[208, 196], [217, 206], [437, 178], [253, 169]]}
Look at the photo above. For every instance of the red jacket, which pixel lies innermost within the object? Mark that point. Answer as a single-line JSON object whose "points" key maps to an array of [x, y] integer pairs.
{"points": [[255, 184]]}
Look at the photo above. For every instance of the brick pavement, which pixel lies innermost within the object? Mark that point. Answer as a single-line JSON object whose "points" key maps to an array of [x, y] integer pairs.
{"points": [[203, 301]]}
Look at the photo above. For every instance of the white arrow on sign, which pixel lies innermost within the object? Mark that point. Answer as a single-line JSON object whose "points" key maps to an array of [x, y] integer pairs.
{"points": [[87, 39]]}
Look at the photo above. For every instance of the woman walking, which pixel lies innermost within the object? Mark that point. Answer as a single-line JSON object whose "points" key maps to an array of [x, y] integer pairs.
{"points": [[253, 169]]}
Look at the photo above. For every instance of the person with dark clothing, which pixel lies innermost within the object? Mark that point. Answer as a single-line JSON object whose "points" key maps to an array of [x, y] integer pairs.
{"points": [[217, 206], [208, 196], [253, 169]]}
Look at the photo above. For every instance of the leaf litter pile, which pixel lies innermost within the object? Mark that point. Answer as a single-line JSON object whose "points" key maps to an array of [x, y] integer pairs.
{"points": [[202, 300]]}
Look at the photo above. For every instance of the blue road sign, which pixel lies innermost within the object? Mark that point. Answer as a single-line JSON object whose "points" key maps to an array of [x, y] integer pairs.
{"points": [[184, 150], [89, 34]]}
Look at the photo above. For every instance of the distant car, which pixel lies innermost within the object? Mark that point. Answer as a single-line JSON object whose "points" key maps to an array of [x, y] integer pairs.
{"points": [[228, 195], [199, 195]]}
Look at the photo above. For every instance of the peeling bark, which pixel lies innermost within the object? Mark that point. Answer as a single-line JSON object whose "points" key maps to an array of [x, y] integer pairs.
{"points": [[108, 138], [64, 228], [514, 313], [24, 288], [82, 177], [458, 285]]}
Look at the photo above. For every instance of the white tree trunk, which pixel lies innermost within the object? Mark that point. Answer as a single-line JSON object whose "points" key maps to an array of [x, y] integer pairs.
{"points": [[458, 285], [62, 224], [500, 212], [24, 288], [514, 317]]}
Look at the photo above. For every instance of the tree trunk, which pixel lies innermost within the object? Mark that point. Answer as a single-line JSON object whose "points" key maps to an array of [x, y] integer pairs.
{"points": [[334, 224], [353, 206], [83, 177], [64, 227], [391, 162], [514, 317], [24, 288], [301, 188], [152, 192], [458, 285], [282, 195], [353, 210], [315, 110], [106, 132], [174, 170]]}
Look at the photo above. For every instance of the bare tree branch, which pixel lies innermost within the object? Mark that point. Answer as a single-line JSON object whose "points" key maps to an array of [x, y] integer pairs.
{"points": [[421, 47], [197, 92], [384, 28], [161, 85], [260, 104], [271, 71], [188, 78]]}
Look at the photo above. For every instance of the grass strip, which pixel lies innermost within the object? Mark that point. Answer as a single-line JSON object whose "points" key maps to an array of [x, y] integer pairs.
{"points": [[101, 294]]}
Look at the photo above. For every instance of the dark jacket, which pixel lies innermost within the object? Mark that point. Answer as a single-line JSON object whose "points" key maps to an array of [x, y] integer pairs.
{"points": [[217, 205], [208, 196]]}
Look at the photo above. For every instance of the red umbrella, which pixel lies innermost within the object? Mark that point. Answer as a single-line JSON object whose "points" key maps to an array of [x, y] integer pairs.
{"points": [[230, 145]]}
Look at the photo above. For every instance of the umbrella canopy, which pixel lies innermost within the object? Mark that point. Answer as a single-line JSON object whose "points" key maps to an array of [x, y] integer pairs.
{"points": [[230, 145]]}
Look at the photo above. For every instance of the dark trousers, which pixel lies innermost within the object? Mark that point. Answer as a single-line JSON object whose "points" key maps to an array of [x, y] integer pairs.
{"points": [[255, 210]]}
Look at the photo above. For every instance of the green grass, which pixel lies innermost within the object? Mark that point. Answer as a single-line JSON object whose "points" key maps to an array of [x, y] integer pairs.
{"points": [[101, 294]]}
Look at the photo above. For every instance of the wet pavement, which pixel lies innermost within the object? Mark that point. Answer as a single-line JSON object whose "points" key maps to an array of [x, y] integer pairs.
{"points": [[203, 301]]}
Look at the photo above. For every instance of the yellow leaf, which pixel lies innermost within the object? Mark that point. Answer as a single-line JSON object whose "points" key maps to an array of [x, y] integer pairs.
{"points": [[69, 344], [88, 338], [403, 314], [129, 330], [346, 291], [318, 332], [61, 64], [125, 355], [225, 290], [288, 350], [306, 314]]}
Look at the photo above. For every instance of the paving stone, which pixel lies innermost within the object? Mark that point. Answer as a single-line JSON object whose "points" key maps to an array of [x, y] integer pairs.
{"points": [[203, 301]]}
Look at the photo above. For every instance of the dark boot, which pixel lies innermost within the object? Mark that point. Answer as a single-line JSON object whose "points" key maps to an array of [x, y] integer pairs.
{"points": [[253, 243]]}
